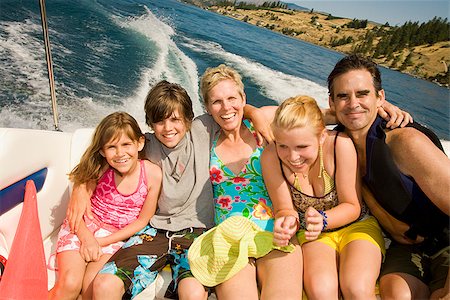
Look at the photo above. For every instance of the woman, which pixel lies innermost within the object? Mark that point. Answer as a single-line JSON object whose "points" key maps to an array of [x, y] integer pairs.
{"points": [[241, 200], [318, 184]]}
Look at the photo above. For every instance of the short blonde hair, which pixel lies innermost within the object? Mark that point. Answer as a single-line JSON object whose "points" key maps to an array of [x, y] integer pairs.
{"points": [[299, 111], [213, 76]]}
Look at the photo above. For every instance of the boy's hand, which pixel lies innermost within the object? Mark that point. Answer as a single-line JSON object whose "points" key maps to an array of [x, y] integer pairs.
{"points": [[90, 249]]}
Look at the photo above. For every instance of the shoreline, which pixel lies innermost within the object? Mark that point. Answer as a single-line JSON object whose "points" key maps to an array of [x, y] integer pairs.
{"points": [[428, 62]]}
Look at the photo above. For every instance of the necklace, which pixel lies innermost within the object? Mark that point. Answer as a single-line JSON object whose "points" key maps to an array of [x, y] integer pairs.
{"points": [[296, 184], [303, 175]]}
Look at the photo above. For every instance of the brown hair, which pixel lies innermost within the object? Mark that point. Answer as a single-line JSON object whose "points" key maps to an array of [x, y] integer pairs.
{"points": [[164, 99], [110, 128], [355, 62]]}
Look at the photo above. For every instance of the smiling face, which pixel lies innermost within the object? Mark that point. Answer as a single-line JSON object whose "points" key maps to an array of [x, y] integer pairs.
{"points": [[226, 105], [171, 130], [297, 147], [355, 100], [122, 152]]}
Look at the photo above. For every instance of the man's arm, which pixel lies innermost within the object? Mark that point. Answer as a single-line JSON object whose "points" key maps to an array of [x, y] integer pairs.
{"points": [[393, 226], [416, 156]]}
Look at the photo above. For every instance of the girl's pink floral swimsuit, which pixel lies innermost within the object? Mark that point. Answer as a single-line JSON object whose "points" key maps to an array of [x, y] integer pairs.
{"points": [[111, 209]]}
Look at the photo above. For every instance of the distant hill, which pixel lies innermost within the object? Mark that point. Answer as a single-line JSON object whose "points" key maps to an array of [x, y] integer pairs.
{"points": [[207, 3], [256, 2], [294, 6], [422, 50]]}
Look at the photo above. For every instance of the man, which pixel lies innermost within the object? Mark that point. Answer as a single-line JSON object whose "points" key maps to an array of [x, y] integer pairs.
{"points": [[407, 180]]}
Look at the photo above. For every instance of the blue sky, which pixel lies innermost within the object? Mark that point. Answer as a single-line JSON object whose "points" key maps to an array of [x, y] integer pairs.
{"points": [[396, 12]]}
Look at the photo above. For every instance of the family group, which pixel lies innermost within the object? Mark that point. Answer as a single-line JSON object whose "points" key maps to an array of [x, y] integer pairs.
{"points": [[260, 203]]}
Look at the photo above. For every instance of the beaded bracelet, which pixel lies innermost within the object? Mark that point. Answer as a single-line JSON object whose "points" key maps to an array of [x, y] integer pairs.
{"points": [[324, 215]]}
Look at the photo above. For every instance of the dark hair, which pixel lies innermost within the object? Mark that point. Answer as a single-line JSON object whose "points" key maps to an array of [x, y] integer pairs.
{"points": [[355, 62], [163, 99]]}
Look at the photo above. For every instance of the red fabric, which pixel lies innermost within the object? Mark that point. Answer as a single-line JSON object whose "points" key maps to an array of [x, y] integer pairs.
{"points": [[25, 275]]}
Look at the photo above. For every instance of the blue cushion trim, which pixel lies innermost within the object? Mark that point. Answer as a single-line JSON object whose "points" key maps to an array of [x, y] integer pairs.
{"points": [[13, 195]]}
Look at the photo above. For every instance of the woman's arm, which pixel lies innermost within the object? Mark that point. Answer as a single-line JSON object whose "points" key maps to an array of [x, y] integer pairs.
{"points": [[261, 118], [395, 116], [154, 179], [286, 217]]}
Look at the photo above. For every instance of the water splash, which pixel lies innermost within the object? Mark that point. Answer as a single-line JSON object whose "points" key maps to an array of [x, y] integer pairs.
{"points": [[273, 84]]}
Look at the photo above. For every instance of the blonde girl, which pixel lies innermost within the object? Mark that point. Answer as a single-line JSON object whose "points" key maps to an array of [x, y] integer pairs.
{"points": [[123, 191], [317, 190]]}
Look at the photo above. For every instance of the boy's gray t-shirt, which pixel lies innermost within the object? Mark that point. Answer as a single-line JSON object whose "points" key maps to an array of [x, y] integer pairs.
{"points": [[186, 198]]}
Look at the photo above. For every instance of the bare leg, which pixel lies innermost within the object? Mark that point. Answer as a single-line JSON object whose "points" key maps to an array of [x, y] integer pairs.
{"points": [[240, 286], [108, 287], [320, 271], [400, 286], [191, 289], [70, 276], [360, 263], [443, 293], [280, 274], [92, 269]]}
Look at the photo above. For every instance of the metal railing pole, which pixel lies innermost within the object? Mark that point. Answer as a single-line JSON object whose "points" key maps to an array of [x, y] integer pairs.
{"points": [[48, 56]]}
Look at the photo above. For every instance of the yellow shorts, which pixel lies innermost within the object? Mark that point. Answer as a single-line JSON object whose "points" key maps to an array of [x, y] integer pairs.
{"points": [[367, 229]]}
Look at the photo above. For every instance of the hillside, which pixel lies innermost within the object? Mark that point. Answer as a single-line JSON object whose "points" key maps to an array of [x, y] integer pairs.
{"points": [[426, 61]]}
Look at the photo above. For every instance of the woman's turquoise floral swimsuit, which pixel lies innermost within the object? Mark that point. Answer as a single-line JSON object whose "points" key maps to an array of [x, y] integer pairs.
{"points": [[242, 194]]}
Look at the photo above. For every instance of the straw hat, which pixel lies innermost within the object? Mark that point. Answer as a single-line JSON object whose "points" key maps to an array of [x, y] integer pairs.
{"points": [[221, 252]]}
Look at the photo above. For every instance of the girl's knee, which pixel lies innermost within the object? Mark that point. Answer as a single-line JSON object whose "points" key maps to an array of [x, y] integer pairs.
{"points": [[357, 287], [358, 291], [321, 288], [70, 283]]}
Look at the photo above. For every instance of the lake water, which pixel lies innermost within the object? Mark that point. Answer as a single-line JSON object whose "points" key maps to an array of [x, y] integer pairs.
{"points": [[107, 55]]}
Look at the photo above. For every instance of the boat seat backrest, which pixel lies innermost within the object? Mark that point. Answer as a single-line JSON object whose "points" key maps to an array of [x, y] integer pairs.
{"points": [[24, 152]]}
